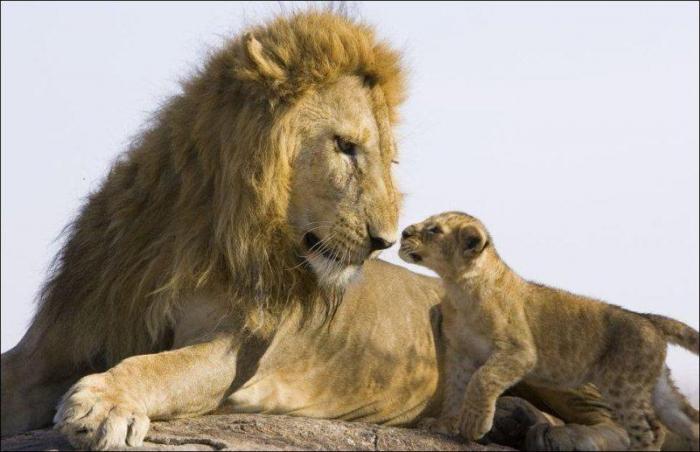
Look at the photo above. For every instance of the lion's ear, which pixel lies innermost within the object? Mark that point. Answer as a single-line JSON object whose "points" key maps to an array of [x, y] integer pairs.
{"points": [[265, 65], [471, 240]]}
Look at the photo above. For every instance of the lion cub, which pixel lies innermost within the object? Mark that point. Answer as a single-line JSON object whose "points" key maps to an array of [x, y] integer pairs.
{"points": [[500, 329]]}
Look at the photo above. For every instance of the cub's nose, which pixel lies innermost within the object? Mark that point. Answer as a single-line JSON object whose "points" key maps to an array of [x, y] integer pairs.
{"points": [[379, 243], [406, 232]]}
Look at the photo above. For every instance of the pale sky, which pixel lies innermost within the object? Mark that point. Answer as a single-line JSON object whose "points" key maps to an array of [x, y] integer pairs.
{"points": [[570, 129]]}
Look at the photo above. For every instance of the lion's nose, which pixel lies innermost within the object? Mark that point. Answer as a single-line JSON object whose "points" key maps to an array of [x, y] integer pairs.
{"points": [[379, 243], [379, 240]]}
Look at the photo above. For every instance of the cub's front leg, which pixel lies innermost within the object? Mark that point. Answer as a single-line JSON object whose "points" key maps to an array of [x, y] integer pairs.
{"points": [[458, 371], [111, 410], [505, 367]]}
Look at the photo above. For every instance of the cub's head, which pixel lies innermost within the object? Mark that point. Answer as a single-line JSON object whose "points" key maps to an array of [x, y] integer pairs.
{"points": [[446, 243], [344, 202]]}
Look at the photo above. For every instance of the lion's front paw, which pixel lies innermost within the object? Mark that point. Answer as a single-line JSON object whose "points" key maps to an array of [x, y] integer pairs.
{"points": [[445, 425], [476, 422], [92, 415]]}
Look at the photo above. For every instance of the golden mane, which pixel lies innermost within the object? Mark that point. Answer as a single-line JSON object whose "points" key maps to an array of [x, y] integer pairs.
{"points": [[199, 199]]}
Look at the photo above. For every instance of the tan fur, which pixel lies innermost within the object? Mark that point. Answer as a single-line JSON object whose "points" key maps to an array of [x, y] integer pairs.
{"points": [[192, 252], [216, 196], [501, 329], [200, 200]]}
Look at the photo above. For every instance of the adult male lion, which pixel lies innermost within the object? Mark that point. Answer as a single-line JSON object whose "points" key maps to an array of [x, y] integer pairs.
{"points": [[207, 271]]}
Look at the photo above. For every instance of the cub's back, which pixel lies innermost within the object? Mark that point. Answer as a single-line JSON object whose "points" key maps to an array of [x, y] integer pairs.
{"points": [[569, 328]]}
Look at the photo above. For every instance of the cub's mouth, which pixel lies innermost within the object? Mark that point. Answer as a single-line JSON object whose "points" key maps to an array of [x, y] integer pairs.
{"points": [[314, 245], [408, 253]]}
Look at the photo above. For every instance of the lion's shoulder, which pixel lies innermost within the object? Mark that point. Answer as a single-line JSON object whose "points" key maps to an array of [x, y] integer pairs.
{"points": [[380, 268], [386, 282]]}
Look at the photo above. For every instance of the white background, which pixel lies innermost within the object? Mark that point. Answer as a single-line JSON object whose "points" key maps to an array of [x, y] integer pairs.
{"points": [[570, 129]]}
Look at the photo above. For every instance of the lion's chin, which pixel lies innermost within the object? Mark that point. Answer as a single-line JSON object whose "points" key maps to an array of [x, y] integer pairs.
{"points": [[331, 274]]}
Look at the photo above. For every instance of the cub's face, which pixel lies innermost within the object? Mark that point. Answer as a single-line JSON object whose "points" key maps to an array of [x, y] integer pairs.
{"points": [[444, 243], [344, 202]]}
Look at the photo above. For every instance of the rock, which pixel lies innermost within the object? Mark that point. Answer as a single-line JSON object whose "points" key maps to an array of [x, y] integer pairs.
{"points": [[265, 432]]}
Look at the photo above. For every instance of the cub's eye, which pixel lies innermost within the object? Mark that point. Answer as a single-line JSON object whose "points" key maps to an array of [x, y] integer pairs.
{"points": [[432, 230], [345, 146]]}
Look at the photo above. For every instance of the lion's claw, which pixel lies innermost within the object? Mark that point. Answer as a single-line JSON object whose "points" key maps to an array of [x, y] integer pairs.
{"points": [[92, 416]]}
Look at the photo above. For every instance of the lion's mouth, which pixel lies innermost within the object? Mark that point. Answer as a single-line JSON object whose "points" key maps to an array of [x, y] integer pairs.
{"points": [[314, 244]]}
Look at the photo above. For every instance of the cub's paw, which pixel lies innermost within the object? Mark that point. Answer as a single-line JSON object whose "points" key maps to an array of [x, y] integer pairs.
{"points": [[476, 422], [445, 425], [94, 415]]}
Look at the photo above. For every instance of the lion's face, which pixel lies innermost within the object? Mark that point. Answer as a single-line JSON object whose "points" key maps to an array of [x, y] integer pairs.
{"points": [[344, 204]]}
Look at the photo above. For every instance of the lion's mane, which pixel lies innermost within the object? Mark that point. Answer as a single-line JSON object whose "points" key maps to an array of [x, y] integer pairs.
{"points": [[198, 202]]}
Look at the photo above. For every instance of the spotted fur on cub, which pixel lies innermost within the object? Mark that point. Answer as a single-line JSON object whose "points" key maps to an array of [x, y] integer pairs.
{"points": [[501, 329]]}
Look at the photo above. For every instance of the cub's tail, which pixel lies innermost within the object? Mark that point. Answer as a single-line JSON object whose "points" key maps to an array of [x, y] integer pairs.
{"points": [[676, 332]]}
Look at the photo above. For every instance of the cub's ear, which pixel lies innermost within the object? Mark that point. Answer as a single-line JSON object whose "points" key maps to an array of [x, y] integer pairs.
{"points": [[471, 240]]}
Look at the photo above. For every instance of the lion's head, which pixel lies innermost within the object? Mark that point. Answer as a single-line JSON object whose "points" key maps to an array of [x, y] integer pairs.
{"points": [[343, 199], [333, 92], [267, 179], [322, 96]]}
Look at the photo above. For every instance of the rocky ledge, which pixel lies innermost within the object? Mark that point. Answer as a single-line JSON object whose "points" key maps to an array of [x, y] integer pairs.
{"points": [[265, 432]]}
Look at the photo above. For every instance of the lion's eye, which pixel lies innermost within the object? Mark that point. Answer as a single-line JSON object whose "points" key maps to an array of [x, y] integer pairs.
{"points": [[395, 162], [345, 146]]}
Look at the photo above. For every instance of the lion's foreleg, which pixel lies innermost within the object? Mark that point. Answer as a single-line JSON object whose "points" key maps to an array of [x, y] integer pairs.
{"points": [[113, 409], [35, 374]]}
